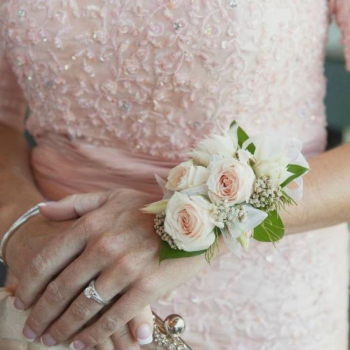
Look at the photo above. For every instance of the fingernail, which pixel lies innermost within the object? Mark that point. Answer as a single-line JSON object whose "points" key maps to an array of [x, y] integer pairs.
{"points": [[29, 334], [77, 345], [43, 204], [48, 340], [19, 304], [144, 334]]}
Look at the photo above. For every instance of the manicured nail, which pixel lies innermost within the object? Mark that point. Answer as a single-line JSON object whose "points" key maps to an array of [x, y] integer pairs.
{"points": [[77, 345], [144, 334], [48, 340], [44, 204], [19, 304], [29, 334]]}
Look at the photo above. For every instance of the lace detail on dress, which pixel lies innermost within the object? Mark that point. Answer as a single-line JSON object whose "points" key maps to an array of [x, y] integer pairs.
{"points": [[155, 76], [274, 298], [12, 104]]}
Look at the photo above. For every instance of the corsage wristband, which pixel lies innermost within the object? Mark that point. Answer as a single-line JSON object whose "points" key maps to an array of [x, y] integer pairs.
{"points": [[233, 185]]}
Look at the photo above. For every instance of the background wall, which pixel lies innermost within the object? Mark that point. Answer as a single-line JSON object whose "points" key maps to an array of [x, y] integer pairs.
{"points": [[338, 90]]}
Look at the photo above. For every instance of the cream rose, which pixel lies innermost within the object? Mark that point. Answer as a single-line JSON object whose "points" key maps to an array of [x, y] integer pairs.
{"points": [[185, 176], [188, 222], [224, 146], [273, 154], [230, 180], [275, 168]]}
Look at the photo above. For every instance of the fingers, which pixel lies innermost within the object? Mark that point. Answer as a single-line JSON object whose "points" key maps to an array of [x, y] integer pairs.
{"points": [[74, 318], [57, 297], [107, 345], [124, 340], [127, 307], [52, 259], [74, 206], [141, 326], [57, 254], [83, 309]]}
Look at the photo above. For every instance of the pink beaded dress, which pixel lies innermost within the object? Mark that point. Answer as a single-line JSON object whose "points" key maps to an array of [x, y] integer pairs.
{"points": [[120, 90]]}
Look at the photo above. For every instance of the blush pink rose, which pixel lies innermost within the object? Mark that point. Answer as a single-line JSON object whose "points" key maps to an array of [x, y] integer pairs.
{"points": [[230, 180], [188, 222], [185, 176]]}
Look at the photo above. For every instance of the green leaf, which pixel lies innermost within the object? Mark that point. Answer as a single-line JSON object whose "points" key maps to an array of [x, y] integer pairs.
{"points": [[243, 137], [166, 252], [297, 171], [271, 229]]}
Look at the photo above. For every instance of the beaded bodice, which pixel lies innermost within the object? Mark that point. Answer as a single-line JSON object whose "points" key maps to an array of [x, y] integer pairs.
{"points": [[155, 76], [121, 89]]}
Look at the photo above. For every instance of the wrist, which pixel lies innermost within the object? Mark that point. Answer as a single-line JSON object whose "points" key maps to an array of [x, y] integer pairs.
{"points": [[21, 246], [19, 195]]}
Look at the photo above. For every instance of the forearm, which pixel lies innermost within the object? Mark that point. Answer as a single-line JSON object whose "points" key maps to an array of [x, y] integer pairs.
{"points": [[17, 188], [326, 198]]}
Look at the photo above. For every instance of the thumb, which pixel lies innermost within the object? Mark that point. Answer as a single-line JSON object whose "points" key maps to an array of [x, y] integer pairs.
{"points": [[141, 326], [73, 206]]}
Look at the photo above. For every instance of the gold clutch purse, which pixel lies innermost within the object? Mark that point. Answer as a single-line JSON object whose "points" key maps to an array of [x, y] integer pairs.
{"points": [[167, 334]]}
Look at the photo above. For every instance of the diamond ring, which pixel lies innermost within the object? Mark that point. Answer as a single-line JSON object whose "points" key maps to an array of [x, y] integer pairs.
{"points": [[91, 293]]}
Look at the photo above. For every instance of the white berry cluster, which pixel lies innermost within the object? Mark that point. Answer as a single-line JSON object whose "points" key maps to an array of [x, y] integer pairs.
{"points": [[228, 214], [267, 194], [159, 227]]}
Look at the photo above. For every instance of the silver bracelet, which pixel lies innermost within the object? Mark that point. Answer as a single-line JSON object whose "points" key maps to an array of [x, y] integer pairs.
{"points": [[31, 212]]}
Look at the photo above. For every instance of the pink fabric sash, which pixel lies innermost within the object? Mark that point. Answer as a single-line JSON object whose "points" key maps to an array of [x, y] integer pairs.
{"points": [[62, 167]]}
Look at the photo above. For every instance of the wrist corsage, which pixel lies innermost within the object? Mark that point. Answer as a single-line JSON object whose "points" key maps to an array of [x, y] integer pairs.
{"points": [[232, 185]]}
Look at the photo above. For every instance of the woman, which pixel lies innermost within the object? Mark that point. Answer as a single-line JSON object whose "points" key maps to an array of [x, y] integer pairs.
{"points": [[121, 90]]}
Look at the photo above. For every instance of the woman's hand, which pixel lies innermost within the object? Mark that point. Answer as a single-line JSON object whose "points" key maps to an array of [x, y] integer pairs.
{"points": [[116, 245], [30, 239], [125, 337]]}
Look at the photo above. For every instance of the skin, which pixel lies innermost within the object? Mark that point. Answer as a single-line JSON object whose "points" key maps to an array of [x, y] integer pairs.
{"points": [[18, 193], [110, 224]]}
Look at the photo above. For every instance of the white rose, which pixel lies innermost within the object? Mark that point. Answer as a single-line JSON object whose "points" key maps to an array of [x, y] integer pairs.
{"points": [[273, 154], [188, 222], [185, 176], [225, 146], [275, 168], [230, 180]]}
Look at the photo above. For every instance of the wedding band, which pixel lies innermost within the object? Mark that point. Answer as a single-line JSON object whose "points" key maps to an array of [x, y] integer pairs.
{"points": [[91, 293]]}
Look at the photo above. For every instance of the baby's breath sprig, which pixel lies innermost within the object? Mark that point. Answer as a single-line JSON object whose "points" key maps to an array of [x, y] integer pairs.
{"points": [[228, 214], [267, 195], [159, 227]]}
